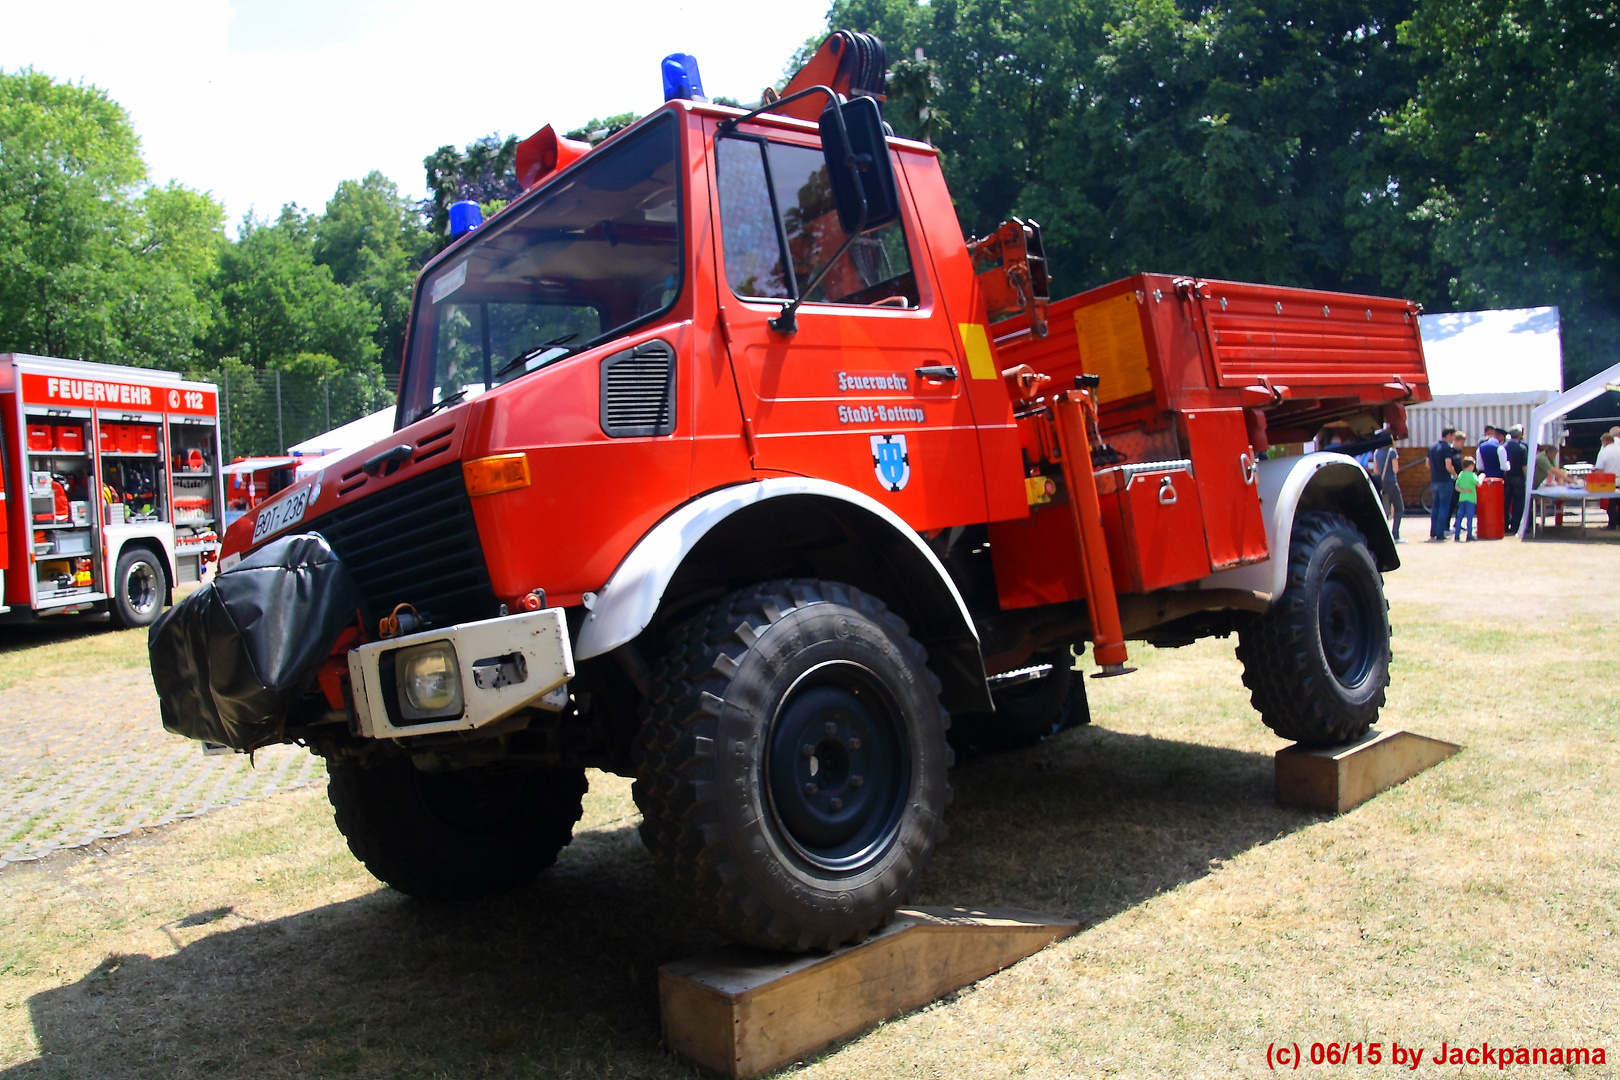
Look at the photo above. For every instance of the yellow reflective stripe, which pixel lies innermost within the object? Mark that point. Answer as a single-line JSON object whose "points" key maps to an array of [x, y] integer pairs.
{"points": [[977, 343]]}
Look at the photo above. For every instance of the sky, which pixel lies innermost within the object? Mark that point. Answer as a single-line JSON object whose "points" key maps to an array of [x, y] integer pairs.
{"points": [[263, 102]]}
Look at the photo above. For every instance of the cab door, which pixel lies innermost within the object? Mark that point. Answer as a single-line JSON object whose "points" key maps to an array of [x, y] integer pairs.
{"points": [[868, 391]]}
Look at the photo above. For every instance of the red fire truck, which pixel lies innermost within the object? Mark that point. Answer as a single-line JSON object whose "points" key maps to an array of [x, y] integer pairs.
{"points": [[111, 490], [723, 460]]}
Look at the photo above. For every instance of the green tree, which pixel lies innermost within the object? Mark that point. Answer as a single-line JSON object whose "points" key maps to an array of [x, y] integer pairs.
{"points": [[484, 172], [276, 301], [93, 264], [373, 242], [1148, 135], [1502, 172]]}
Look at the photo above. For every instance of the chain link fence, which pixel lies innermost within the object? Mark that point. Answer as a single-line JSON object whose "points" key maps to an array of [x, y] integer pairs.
{"points": [[263, 412]]}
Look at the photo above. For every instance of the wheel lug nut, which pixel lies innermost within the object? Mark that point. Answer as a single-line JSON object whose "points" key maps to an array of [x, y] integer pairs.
{"points": [[810, 789], [838, 804], [854, 744], [830, 728], [807, 750], [857, 780]]}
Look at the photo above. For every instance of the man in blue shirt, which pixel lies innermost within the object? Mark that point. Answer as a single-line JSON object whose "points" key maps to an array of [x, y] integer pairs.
{"points": [[1490, 453], [1442, 481]]}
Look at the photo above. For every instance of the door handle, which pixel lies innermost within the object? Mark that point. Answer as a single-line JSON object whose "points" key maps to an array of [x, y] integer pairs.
{"points": [[1251, 470], [1167, 492], [937, 371]]}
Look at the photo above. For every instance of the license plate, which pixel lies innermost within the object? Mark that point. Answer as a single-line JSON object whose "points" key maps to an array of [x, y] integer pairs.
{"points": [[277, 516]]}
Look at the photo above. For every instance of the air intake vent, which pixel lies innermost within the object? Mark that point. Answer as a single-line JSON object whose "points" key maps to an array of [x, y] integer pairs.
{"points": [[638, 391]]}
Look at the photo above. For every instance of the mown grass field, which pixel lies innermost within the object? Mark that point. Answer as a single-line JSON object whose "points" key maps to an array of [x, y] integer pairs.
{"points": [[1477, 903]]}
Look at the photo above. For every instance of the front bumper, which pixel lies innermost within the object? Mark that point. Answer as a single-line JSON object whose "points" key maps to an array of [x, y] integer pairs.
{"points": [[505, 664]]}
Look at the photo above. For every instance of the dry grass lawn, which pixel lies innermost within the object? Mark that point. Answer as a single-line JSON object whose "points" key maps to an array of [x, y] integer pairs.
{"points": [[1477, 903]]}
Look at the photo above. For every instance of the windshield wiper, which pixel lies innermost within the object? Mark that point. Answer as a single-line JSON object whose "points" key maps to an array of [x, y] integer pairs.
{"points": [[529, 354], [443, 403]]}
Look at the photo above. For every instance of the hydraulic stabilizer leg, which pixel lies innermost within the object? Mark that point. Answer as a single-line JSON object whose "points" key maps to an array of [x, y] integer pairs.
{"points": [[1069, 410]]}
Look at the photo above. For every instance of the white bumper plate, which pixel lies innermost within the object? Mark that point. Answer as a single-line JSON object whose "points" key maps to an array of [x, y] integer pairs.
{"points": [[493, 684]]}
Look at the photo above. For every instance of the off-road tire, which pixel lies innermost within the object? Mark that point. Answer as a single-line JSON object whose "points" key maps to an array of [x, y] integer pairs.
{"points": [[1029, 712], [138, 588], [748, 687], [454, 835], [1317, 663]]}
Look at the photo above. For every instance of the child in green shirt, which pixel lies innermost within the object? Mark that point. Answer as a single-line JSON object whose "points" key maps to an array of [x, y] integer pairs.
{"points": [[1467, 498]]}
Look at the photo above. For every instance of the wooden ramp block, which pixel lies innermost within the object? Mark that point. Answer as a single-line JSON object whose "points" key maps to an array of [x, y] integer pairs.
{"points": [[1337, 778], [743, 1012]]}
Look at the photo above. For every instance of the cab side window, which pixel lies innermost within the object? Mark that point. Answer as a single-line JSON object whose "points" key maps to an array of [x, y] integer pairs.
{"points": [[779, 226]]}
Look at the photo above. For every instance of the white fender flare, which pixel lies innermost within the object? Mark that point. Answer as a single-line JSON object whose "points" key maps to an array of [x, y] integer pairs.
{"points": [[626, 605], [1323, 481]]}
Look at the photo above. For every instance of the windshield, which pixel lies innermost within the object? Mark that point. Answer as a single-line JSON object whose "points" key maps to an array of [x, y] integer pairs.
{"points": [[588, 259]]}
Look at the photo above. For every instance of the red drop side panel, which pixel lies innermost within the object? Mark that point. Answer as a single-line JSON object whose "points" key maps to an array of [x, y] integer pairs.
{"points": [[1223, 461]]}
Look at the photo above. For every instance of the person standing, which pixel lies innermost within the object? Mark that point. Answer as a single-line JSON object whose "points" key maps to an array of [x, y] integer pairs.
{"points": [[1608, 460], [1517, 455], [1467, 499], [1383, 465], [1490, 454], [1442, 479], [1459, 446]]}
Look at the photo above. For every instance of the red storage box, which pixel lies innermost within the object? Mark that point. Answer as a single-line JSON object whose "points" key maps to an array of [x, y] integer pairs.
{"points": [[107, 437], [1599, 481], [41, 438], [126, 438], [143, 440], [1153, 524], [70, 438]]}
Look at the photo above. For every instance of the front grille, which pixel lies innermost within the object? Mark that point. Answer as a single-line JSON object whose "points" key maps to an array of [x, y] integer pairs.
{"points": [[414, 543]]}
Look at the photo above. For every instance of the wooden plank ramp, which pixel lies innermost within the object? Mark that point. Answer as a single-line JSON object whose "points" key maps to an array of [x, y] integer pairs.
{"points": [[742, 1012], [1338, 778]]}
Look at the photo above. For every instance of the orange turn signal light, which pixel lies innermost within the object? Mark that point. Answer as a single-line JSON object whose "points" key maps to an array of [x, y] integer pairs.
{"points": [[490, 475]]}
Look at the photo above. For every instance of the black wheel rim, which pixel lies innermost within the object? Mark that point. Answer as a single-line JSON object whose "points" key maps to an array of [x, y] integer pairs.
{"points": [[1347, 625], [140, 587], [837, 773]]}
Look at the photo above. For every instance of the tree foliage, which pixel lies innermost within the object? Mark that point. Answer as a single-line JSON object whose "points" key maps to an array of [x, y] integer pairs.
{"points": [[1459, 152], [92, 264]]}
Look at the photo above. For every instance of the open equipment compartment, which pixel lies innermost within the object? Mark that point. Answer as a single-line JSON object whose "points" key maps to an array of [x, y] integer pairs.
{"points": [[87, 447]]}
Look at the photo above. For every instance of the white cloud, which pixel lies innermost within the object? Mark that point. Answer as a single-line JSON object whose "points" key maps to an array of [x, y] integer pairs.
{"points": [[269, 101]]}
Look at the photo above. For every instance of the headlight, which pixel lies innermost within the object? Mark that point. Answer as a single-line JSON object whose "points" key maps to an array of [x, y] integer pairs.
{"points": [[429, 681]]}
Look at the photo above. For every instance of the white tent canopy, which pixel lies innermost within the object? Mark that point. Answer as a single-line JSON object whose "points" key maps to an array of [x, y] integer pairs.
{"points": [[1505, 351], [1561, 405], [355, 435]]}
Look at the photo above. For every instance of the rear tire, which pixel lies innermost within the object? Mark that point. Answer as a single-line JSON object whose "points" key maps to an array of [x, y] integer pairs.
{"points": [[1029, 712], [791, 769], [138, 588], [1317, 664], [454, 835]]}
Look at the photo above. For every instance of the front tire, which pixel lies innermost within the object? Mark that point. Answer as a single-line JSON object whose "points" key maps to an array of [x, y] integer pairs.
{"points": [[1317, 664], [138, 587], [791, 770], [454, 835]]}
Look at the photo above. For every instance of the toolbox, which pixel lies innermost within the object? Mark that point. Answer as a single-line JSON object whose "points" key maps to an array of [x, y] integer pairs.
{"points": [[1153, 524]]}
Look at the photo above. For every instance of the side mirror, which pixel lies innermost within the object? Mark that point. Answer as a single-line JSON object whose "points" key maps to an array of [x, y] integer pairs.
{"points": [[859, 169]]}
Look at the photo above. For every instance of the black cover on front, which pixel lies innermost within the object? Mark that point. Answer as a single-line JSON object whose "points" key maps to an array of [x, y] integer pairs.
{"points": [[232, 658]]}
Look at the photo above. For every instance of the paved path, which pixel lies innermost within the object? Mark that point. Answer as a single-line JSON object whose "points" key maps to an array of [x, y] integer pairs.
{"points": [[87, 759]]}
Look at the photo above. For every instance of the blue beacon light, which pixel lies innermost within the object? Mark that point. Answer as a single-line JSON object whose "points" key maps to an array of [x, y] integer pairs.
{"points": [[465, 216], [681, 78]]}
